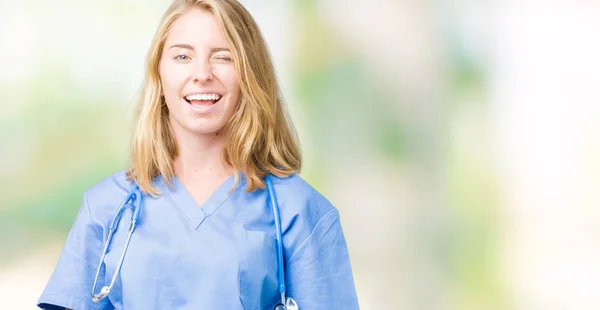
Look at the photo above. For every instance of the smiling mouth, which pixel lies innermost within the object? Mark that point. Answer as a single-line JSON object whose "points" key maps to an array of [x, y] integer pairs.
{"points": [[202, 102]]}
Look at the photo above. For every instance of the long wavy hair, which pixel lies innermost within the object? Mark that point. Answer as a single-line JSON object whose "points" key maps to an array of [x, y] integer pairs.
{"points": [[260, 137]]}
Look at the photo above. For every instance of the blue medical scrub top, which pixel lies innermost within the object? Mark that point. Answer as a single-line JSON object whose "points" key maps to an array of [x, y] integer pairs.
{"points": [[221, 255]]}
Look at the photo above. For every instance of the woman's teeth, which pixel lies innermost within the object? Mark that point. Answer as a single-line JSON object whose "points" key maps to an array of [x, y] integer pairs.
{"points": [[195, 97]]}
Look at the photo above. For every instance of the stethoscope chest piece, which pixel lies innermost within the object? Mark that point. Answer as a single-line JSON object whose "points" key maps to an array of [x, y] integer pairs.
{"points": [[290, 304]]}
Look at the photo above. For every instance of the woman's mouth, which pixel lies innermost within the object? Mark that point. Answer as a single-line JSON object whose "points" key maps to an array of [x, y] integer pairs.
{"points": [[202, 100]]}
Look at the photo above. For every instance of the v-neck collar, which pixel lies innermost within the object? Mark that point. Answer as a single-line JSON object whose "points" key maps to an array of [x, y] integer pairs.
{"points": [[196, 214]]}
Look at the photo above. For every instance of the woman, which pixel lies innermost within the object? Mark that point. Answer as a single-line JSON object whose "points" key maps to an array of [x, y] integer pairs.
{"points": [[211, 130]]}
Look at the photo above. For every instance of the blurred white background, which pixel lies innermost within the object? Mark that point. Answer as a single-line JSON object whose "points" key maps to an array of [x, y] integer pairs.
{"points": [[460, 140]]}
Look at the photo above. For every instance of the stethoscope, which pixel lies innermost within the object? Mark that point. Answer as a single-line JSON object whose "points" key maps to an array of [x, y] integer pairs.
{"points": [[134, 201]]}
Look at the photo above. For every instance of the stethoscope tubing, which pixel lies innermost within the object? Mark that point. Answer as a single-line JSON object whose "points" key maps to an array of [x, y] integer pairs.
{"points": [[134, 201]]}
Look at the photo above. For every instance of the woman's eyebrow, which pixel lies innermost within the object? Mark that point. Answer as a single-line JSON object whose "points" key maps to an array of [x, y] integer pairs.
{"points": [[219, 49], [186, 46], [189, 47]]}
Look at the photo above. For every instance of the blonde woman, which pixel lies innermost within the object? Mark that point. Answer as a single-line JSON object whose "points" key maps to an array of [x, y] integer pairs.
{"points": [[213, 150]]}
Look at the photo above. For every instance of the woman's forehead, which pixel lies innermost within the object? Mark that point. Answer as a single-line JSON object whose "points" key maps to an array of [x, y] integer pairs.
{"points": [[197, 27]]}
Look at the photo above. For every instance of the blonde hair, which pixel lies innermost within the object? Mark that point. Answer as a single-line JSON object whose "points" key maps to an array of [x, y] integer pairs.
{"points": [[260, 137]]}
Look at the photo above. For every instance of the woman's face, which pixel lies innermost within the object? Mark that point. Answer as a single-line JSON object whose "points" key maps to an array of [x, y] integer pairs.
{"points": [[198, 77]]}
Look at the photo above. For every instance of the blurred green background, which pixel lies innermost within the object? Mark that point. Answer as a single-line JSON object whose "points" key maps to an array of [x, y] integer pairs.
{"points": [[458, 139]]}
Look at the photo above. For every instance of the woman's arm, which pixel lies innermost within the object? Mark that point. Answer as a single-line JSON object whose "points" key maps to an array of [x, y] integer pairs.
{"points": [[319, 274], [71, 282]]}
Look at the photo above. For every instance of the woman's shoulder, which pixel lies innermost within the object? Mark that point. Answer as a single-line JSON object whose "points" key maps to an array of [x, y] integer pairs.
{"points": [[115, 184], [297, 188], [104, 197], [300, 203], [294, 186]]}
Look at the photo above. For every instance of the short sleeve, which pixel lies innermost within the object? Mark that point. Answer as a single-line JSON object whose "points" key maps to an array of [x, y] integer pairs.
{"points": [[319, 274], [71, 282]]}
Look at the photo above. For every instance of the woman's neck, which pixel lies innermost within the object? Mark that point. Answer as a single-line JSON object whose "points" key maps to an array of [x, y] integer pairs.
{"points": [[199, 158]]}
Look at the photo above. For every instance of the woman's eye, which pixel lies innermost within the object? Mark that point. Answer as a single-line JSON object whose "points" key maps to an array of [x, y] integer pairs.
{"points": [[226, 58], [182, 57]]}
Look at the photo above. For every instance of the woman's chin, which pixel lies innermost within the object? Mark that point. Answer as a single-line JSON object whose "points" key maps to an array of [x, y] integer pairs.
{"points": [[205, 130]]}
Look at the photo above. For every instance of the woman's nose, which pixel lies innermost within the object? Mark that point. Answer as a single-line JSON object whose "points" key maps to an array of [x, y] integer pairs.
{"points": [[202, 72]]}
